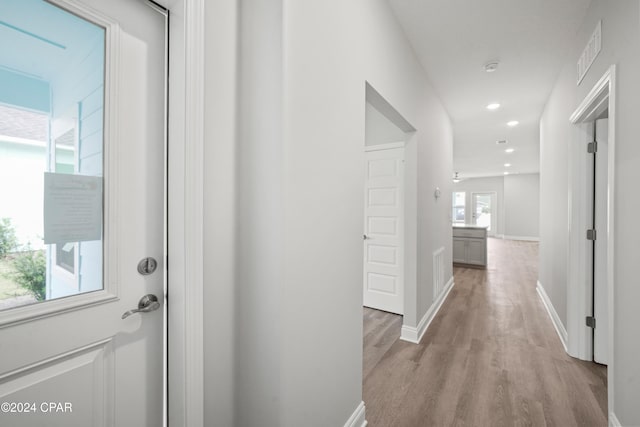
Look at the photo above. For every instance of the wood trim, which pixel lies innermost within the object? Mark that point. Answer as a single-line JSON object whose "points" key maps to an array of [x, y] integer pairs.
{"points": [[415, 334], [357, 419], [555, 319]]}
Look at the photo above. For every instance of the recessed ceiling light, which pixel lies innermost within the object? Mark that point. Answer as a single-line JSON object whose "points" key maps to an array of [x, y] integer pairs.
{"points": [[513, 123], [506, 173], [507, 165], [490, 67], [509, 150], [493, 106]]}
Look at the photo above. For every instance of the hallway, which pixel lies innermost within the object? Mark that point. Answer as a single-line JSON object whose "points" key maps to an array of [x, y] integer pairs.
{"points": [[490, 357]]}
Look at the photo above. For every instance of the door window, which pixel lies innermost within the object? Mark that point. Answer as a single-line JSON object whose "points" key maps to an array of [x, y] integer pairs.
{"points": [[482, 213], [51, 153]]}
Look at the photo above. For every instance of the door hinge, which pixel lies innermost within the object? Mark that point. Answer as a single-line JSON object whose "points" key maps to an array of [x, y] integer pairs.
{"points": [[591, 234], [592, 147], [591, 321]]}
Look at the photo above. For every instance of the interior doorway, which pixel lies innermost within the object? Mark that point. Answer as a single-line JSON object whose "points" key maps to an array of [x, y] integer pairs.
{"points": [[390, 228], [592, 213], [390, 206]]}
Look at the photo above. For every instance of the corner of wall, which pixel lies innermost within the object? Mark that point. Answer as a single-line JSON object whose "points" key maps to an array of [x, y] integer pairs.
{"points": [[415, 334]]}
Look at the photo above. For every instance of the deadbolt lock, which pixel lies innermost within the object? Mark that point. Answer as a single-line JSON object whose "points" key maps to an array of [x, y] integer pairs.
{"points": [[147, 266]]}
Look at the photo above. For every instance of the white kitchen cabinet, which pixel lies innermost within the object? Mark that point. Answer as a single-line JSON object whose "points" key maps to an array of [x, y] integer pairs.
{"points": [[470, 245]]}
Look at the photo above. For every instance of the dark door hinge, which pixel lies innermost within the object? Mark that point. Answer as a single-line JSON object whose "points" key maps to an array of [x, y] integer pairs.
{"points": [[591, 234], [592, 147], [591, 322]]}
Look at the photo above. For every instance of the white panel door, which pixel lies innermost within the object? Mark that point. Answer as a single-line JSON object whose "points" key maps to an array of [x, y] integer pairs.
{"points": [[600, 292], [384, 230], [71, 359]]}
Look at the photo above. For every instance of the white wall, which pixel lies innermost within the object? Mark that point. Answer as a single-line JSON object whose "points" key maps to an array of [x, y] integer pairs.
{"points": [[554, 193], [220, 210], [328, 58], [522, 206], [261, 287], [620, 46], [284, 201], [379, 129]]}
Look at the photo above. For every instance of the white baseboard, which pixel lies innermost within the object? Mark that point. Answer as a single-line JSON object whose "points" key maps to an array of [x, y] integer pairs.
{"points": [[525, 238], [555, 319], [357, 418], [613, 420], [414, 335]]}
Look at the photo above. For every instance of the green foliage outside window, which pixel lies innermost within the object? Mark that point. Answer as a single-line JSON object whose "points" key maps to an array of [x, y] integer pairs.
{"points": [[30, 269], [8, 240]]}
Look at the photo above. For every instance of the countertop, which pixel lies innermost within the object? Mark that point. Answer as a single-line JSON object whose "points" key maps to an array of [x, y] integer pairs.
{"points": [[470, 226]]}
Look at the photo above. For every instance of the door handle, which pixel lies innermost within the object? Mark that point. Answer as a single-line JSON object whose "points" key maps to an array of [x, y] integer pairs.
{"points": [[365, 237], [146, 304]]}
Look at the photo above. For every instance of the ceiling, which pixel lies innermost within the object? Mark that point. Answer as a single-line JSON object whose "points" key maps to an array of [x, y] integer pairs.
{"points": [[454, 39], [52, 36]]}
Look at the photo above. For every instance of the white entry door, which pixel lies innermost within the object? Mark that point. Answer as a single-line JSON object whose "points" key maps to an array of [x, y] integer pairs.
{"points": [[90, 75], [482, 211], [384, 230], [600, 288]]}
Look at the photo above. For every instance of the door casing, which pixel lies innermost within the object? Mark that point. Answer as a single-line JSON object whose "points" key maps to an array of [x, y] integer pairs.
{"points": [[185, 188], [599, 272], [579, 290]]}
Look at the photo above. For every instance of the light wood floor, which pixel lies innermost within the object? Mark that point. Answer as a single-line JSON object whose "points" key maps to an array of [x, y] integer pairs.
{"points": [[491, 357]]}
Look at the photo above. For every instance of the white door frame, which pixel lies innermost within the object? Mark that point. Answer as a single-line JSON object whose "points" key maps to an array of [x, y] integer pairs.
{"points": [[579, 291], [185, 188]]}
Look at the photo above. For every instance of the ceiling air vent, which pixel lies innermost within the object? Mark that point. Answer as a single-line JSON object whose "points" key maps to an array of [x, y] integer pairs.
{"points": [[501, 141]]}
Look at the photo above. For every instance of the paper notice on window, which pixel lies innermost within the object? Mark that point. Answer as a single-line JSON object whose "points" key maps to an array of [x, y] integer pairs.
{"points": [[72, 208]]}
